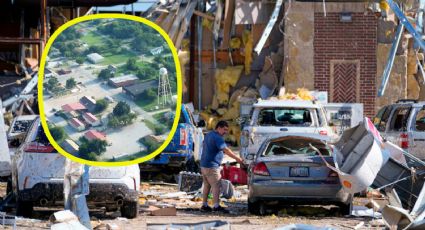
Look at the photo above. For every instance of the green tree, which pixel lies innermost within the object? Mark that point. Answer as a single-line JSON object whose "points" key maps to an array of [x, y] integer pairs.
{"points": [[52, 83], [101, 105], [70, 83], [80, 60], [114, 122], [94, 146], [105, 74], [122, 108], [160, 129], [58, 133], [131, 64], [94, 49], [149, 94]]}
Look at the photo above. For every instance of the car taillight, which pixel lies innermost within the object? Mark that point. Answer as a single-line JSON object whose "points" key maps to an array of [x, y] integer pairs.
{"points": [[183, 137], [261, 169], [323, 132], [404, 140]]}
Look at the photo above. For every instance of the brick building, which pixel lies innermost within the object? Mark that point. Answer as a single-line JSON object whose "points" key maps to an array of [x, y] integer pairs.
{"points": [[345, 58]]}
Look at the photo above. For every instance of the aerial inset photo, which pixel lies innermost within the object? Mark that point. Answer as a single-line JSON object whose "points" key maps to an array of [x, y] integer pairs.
{"points": [[110, 90]]}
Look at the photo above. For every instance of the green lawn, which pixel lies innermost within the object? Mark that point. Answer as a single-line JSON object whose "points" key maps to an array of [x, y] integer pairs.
{"points": [[116, 58], [146, 103], [92, 39]]}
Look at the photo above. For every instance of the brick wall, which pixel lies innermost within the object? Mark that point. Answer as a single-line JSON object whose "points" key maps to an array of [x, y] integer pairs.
{"points": [[356, 40]]}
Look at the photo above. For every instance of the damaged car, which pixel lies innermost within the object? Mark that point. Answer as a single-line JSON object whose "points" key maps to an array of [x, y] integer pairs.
{"points": [[38, 175], [274, 118], [289, 170]]}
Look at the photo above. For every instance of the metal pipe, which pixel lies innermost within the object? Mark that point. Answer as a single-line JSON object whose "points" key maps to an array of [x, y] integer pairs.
{"points": [[43, 20], [22, 34], [390, 62], [199, 33]]}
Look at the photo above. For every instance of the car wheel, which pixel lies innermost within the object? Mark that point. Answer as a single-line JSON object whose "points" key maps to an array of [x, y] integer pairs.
{"points": [[24, 208], [346, 209], [130, 209], [256, 208], [191, 165]]}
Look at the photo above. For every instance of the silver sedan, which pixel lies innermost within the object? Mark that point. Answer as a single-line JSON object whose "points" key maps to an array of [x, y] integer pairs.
{"points": [[289, 170]]}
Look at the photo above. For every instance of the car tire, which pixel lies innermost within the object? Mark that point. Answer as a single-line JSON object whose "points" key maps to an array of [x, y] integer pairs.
{"points": [[256, 208], [191, 165], [24, 208], [346, 209], [130, 209]]}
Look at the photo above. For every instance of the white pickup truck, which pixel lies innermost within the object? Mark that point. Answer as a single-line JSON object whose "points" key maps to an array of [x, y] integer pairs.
{"points": [[274, 118]]}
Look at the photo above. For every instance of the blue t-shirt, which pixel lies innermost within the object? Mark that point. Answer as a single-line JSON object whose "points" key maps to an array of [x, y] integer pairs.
{"points": [[212, 150]]}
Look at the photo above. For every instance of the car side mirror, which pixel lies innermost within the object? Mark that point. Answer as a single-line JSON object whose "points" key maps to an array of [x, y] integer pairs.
{"points": [[250, 157], [201, 123]]}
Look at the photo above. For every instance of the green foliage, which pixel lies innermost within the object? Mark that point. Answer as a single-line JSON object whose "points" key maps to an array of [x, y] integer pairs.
{"points": [[120, 121], [88, 148], [149, 144], [58, 133], [160, 129], [101, 105], [146, 72], [149, 94], [80, 60], [105, 74], [122, 108], [131, 64], [70, 83], [94, 49], [52, 84]]}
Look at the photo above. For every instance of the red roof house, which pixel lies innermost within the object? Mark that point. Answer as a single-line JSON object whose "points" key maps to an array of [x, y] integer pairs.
{"points": [[93, 135], [73, 107]]}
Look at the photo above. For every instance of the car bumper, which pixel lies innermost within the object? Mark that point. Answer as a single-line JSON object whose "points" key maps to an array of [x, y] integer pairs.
{"points": [[170, 159], [99, 194], [298, 192]]}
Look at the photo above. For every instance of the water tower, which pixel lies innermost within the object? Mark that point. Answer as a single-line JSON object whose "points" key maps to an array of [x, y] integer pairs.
{"points": [[164, 89]]}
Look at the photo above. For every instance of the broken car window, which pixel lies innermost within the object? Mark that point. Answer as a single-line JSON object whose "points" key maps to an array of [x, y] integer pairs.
{"points": [[286, 116], [400, 118], [296, 147], [383, 123], [420, 121]]}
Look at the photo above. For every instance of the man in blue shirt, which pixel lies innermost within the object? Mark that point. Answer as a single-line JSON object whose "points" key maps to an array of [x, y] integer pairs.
{"points": [[213, 152]]}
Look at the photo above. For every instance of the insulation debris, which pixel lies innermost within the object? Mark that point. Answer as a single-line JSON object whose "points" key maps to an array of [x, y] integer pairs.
{"points": [[302, 94], [248, 41], [224, 79]]}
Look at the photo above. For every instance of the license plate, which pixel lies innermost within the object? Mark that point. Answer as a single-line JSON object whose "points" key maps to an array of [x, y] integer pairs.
{"points": [[298, 172]]}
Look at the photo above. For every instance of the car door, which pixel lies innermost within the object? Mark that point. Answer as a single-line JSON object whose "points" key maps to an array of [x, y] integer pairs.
{"points": [[418, 133], [198, 137]]}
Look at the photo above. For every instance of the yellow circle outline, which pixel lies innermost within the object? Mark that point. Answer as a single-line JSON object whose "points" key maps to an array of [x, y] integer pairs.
{"points": [[40, 88]]}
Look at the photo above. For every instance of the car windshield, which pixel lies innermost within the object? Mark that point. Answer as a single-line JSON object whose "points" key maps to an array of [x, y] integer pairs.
{"points": [[296, 146], [286, 117]]}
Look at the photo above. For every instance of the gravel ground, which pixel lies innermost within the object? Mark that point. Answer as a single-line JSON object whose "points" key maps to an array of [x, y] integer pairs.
{"points": [[188, 213]]}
